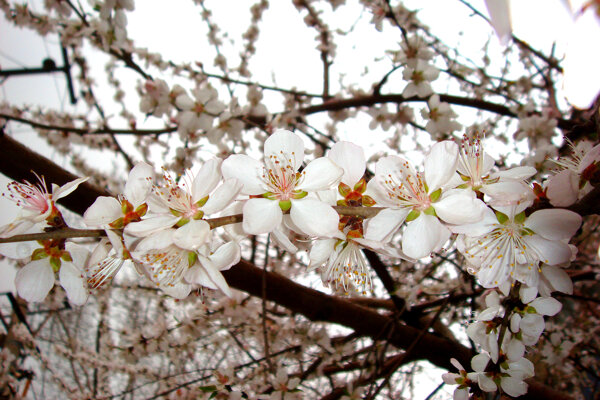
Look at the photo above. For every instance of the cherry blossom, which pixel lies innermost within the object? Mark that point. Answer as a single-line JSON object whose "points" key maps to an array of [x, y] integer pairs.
{"points": [[420, 77], [424, 199], [277, 186]]}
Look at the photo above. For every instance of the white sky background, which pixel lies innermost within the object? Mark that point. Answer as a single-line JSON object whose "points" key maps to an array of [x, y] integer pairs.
{"points": [[178, 33]]}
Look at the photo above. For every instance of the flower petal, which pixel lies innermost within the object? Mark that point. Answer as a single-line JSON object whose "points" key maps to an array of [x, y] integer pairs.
{"points": [[555, 279], [320, 252], [351, 158], [151, 225], [314, 218], [206, 179], [74, 283], [104, 211], [459, 206], [554, 224], [512, 386], [34, 281], [192, 235], [288, 143], [499, 11], [67, 188], [261, 216], [320, 174], [226, 255], [247, 170], [216, 277], [383, 225], [422, 236], [546, 306], [223, 196], [440, 164], [139, 183], [551, 252]]}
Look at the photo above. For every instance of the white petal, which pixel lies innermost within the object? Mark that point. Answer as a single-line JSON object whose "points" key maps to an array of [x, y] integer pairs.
{"points": [[104, 211], [546, 306], [314, 217], [554, 224], [281, 240], [320, 252], [192, 235], [74, 283], [499, 11], [557, 279], [512, 386], [288, 143], [217, 278], [226, 255], [261, 216], [486, 383], [151, 225], [247, 170], [139, 183], [320, 174], [520, 173], [158, 240], [223, 196], [551, 252], [178, 290], [197, 275], [527, 294], [351, 158], [67, 188], [34, 281], [422, 236], [383, 226], [479, 362], [440, 164], [206, 179], [532, 325], [459, 207], [485, 225], [394, 166], [515, 350]]}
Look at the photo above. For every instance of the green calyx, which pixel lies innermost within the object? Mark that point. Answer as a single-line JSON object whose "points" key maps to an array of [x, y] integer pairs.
{"points": [[414, 214], [430, 211], [502, 218], [192, 258], [435, 196], [285, 205], [201, 202], [182, 222], [55, 263]]}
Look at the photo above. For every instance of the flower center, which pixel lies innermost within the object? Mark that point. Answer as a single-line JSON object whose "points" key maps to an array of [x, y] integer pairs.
{"points": [[280, 176]]}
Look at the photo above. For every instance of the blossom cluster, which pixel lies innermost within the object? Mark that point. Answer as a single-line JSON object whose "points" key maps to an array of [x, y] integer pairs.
{"points": [[167, 230]]}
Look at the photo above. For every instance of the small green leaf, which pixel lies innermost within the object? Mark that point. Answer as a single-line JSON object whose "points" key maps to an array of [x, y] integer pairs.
{"points": [[38, 254], [299, 194], [182, 222], [202, 201], [55, 263], [430, 211], [192, 257]]}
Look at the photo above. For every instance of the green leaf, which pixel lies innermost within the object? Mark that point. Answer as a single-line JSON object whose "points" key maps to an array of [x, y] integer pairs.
{"points": [[520, 217]]}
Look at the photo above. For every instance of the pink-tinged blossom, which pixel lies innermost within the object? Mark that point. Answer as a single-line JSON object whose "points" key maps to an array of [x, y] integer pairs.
{"points": [[276, 186], [197, 114], [423, 199], [36, 203]]}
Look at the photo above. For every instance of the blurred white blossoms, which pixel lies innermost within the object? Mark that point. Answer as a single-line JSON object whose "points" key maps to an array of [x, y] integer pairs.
{"points": [[197, 114], [419, 77], [277, 186], [427, 201]]}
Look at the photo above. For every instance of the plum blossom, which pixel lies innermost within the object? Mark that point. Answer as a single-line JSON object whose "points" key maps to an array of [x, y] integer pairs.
{"points": [[475, 168], [183, 207], [277, 186], [37, 205], [35, 280], [340, 256], [508, 244], [440, 117], [419, 79], [177, 270], [197, 114], [577, 172], [423, 199]]}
